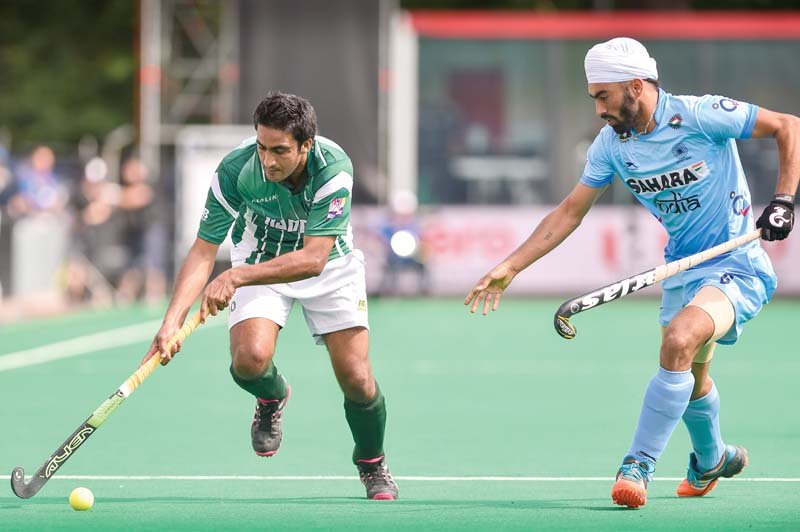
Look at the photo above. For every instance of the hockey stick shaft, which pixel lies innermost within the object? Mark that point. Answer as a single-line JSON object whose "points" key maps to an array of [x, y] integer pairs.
{"points": [[635, 283], [87, 428]]}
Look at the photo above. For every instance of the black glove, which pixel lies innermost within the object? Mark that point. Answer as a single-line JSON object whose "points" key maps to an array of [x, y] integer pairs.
{"points": [[777, 219]]}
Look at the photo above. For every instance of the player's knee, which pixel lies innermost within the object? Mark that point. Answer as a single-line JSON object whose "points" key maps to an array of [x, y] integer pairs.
{"points": [[250, 363], [359, 387], [678, 349]]}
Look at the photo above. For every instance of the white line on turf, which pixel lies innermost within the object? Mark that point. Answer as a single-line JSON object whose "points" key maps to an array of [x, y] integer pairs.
{"points": [[86, 344], [413, 478]]}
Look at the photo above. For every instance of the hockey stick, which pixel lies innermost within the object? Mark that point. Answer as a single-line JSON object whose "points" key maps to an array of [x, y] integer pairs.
{"points": [[635, 283], [27, 490]]}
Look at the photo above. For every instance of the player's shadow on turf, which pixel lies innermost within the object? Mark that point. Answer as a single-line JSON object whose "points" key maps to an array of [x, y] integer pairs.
{"points": [[615, 508], [409, 505], [424, 504]]}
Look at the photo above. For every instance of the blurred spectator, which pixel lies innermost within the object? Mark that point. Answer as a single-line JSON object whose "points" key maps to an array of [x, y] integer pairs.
{"points": [[118, 240], [116, 249], [35, 235], [37, 188], [402, 236], [95, 257], [143, 235]]}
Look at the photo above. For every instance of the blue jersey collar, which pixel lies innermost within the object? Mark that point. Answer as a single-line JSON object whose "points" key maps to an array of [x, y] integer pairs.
{"points": [[661, 109]]}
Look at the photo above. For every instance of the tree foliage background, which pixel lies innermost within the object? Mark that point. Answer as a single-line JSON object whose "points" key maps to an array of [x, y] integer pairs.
{"points": [[66, 69]]}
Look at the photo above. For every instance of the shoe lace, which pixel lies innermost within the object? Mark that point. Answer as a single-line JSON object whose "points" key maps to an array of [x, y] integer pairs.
{"points": [[267, 414], [376, 474], [639, 470]]}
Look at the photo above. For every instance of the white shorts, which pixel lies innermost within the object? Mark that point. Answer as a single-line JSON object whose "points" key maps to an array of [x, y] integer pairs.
{"points": [[333, 301]]}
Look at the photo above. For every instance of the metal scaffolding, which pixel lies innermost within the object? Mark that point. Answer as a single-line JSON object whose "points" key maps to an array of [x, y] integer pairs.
{"points": [[189, 69]]}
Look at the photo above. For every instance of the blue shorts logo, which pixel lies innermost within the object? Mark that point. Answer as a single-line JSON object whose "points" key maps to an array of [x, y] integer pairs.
{"points": [[725, 278]]}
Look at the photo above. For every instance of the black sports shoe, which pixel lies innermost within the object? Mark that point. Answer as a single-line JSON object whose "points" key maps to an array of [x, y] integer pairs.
{"points": [[266, 430], [377, 479]]}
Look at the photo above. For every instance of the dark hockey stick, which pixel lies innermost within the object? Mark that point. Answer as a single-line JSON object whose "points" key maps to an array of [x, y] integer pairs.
{"points": [[635, 283], [26, 490]]}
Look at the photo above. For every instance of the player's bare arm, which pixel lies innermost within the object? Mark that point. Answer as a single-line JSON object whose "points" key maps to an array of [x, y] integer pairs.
{"points": [[786, 130], [778, 217], [193, 275], [294, 266], [551, 231]]}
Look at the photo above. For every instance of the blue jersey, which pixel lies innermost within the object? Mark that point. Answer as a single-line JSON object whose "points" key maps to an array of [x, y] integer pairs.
{"points": [[686, 171]]}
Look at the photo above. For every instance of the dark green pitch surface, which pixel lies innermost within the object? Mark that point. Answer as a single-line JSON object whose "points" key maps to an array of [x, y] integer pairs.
{"points": [[467, 396]]}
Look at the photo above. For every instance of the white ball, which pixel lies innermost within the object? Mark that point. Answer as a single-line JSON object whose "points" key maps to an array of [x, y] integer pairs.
{"points": [[81, 499]]}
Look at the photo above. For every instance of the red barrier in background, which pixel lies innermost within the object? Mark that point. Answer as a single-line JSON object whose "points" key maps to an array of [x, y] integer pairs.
{"points": [[668, 25]]}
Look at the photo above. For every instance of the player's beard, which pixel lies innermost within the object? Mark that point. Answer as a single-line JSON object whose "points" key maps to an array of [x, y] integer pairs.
{"points": [[273, 174], [627, 118]]}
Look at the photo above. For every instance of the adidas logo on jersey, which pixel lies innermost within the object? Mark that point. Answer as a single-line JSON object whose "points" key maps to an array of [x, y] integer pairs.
{"points": [[672, 179]]}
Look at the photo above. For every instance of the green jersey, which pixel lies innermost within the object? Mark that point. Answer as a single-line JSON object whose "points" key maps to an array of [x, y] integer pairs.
{"points": [[268, 218]]}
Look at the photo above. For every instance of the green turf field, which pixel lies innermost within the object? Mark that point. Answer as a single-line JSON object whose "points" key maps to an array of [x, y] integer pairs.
{"points": [[494, 424]]}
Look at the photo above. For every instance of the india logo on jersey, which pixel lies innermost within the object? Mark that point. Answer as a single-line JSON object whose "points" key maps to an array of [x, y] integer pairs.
{"points": [[336, 208], [678, 178]]}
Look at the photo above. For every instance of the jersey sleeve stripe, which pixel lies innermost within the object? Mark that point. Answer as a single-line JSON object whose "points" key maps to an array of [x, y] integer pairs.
{"points": [[750, 124], [217, 191], [338, 182], [339, 246], [320, 156], [329, 142], [591, 183]]}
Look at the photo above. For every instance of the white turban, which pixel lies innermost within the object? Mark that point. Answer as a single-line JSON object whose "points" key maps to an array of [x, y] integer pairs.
{"points": [[620, 59]]}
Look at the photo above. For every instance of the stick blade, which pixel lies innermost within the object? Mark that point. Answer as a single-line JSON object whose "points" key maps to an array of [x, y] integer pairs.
{"points": [[564, 328], [20, 488]]}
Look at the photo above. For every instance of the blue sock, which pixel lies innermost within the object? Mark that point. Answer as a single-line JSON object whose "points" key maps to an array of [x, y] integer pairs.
{"points": [[665, 401], [702, 421]]}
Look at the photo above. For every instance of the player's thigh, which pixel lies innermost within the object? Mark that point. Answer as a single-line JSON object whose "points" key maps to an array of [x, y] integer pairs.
{"points": [[719, 308], [714, 320], [257, 314]]}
